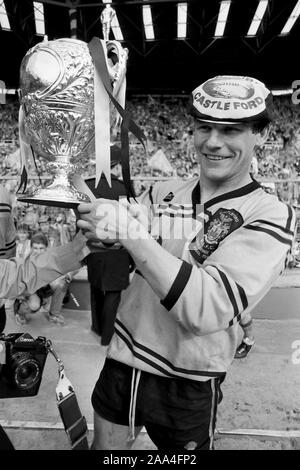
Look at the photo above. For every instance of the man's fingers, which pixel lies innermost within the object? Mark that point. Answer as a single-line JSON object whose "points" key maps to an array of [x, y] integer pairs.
{"points": [[85, 208], [133, 208], [84, 225], [91, 236]]}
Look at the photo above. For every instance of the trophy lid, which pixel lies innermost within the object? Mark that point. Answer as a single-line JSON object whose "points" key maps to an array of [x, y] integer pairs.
{"points": [[106, 18]]}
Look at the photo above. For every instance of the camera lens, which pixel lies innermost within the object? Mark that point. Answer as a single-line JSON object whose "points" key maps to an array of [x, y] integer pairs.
{"points": [[25, 371]]}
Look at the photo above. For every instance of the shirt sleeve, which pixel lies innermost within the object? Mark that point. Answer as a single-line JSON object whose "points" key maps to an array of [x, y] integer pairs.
{"points": [[233, 279], [7, 227]]}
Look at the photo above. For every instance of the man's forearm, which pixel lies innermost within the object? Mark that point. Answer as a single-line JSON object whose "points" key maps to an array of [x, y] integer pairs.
{"points": [[157, 265]]}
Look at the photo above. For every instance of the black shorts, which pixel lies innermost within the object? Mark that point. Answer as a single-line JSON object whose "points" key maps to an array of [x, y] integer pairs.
{"points": [[177, 413], [2, 318]]}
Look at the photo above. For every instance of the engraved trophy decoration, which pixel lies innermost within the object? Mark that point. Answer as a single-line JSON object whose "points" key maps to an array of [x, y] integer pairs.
{"points": [[59, 112]]}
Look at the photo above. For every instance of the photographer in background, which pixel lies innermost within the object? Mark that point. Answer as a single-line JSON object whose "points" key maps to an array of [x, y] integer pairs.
{"points": [[50, 296], [28, 275]]}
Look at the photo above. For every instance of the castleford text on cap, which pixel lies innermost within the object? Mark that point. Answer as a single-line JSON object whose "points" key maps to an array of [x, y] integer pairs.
{"points": [[230, 99]]}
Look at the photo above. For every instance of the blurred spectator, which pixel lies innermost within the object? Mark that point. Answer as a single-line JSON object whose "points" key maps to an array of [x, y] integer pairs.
{"points": [[44, 225], [62, 228], [32, 219], [50, 296], [53, 237], [23, 241]]}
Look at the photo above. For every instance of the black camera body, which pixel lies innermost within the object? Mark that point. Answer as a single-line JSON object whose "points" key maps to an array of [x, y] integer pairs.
{"points": [[25, 358]]}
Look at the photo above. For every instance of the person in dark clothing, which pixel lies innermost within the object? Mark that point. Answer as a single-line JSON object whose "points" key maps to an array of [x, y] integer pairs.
{"points": [[108, 270]]}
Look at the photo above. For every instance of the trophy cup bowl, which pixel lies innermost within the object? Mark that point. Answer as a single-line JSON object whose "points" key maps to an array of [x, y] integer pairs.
{"points": [[57, 97]]}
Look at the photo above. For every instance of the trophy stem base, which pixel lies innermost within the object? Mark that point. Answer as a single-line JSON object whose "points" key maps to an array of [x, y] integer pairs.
{"points": [[56, 195]]}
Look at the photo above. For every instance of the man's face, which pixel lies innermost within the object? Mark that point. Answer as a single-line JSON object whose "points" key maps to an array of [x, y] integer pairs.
{"points": [[38, 248], [224, 151], [44, 227]]}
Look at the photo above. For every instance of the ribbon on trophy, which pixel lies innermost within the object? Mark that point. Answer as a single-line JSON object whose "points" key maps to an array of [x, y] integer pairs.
{"points": [[26, 153], [97, 48]]}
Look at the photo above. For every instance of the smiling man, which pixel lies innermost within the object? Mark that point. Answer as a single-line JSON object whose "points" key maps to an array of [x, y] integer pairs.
{"points": [[225, 137], [210, 250]]}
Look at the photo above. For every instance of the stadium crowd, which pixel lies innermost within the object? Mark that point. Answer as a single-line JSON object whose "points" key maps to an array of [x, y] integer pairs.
{"points": [[172, 132], [167, 131]]}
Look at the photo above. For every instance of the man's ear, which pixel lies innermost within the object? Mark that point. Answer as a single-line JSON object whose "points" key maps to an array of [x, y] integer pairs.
{"points": [[261, 137]]}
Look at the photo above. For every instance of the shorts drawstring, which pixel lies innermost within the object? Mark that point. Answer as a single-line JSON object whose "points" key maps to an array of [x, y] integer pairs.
{"points": [[136, 375]]}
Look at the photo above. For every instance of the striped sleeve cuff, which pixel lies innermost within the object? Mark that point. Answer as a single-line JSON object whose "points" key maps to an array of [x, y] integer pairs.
{"points": [[178, 286]]}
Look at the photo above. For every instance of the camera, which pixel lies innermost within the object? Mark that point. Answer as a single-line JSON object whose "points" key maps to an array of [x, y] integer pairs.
{"points": [[25, 359]]}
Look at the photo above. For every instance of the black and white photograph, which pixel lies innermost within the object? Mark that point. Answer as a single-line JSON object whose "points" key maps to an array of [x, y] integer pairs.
{"points": [[149, 228]]}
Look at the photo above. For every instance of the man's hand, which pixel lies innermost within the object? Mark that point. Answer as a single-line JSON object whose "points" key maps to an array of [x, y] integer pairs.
{"points": [[110, 221]]}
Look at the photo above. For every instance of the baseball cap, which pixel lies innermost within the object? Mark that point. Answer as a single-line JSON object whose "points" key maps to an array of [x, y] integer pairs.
{"points": [[231, 99]]}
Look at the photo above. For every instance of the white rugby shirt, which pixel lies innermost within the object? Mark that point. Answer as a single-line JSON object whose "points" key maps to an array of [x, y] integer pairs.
{"points": [[227, 268]]}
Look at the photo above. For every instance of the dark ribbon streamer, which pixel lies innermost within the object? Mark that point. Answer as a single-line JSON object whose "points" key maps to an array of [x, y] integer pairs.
{"points": [[24, 175], [23, 182], [125, 158], [128, 124], [37, 170]]}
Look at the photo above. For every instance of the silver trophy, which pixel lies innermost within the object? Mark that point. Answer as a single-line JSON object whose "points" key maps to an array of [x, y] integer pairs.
{"points": [[57, 101]]}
